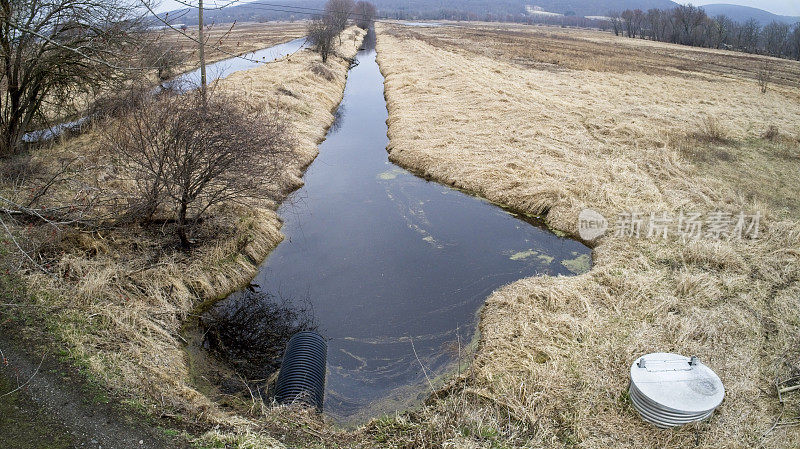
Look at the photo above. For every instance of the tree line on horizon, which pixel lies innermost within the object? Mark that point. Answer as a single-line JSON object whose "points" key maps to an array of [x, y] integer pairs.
{"points": [[690, 25]]}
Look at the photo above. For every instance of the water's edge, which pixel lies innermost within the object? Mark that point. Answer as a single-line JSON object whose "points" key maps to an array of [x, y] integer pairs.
{"points": [[339, 174]]}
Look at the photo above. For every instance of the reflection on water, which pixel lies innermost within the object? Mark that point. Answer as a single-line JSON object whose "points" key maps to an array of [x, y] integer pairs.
{"points": [[393, 264], [250, 331], [225, 68]]}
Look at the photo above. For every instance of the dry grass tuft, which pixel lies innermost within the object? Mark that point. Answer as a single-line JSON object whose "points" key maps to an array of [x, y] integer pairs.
{"points": [[711, 131], [322, 70], [772, 133]]}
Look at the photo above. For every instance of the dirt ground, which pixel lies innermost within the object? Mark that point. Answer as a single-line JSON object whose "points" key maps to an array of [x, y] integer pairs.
{"points": [[46, 404]]}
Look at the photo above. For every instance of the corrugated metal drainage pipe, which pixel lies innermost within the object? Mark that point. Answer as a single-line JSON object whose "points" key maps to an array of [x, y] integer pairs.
{"points": [[302, 375]]}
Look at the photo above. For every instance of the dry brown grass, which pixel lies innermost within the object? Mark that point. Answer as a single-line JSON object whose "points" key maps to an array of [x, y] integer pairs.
{"points": [[553, 48], [118, 298], [557, 141]]}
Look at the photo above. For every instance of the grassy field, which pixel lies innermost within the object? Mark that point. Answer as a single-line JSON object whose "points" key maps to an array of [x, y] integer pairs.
{"points": [[552, 121]]}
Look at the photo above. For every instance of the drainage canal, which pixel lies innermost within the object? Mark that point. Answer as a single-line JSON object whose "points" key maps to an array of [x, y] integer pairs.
{"points": [[190, 80], [393, 268]]}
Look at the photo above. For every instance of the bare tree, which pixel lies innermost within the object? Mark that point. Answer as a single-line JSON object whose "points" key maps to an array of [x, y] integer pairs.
{"points": [[338, 13], [52, 50], [365, 14], [190, 154], [321, 32], [749, 37], [688, 19], [775, 37], [616, 22], [657, 22], [627, 20], [720, 30], [794, 39], [638, 22]]}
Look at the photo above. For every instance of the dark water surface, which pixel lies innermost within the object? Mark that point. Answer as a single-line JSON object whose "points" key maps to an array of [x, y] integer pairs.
{"points": [[392, 263]]}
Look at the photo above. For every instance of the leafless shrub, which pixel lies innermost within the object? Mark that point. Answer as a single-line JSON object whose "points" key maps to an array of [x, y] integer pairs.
{"points": [[188, 155], [30, 192], [120, 103], [42, 203], [250, 330], [321, 32], [709, 130], [322, 70], [764, 75], [164, 57]]}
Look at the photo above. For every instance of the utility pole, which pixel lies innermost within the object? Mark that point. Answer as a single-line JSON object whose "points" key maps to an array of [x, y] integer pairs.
{"points": [[200, 32]]}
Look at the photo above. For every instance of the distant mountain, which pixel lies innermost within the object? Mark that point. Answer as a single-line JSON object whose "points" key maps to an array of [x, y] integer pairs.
{"points": [[422, 9], [473, 9], [743, 13]]}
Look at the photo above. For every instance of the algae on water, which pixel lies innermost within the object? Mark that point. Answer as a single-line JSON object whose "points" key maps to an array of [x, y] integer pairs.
{"points": [[522, 255], [392, 173], [578, 265]]}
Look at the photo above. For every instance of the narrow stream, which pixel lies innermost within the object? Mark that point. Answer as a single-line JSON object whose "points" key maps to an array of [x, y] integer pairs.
{"points": [[226, 67], [191, 80], [394, 265]]}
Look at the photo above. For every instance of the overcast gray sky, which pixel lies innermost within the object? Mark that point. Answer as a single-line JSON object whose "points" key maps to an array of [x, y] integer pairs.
{"points": [[785, 7]]}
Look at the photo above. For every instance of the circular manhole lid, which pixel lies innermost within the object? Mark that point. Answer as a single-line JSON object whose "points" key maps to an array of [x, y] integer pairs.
{"points": [[678, 384]]}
